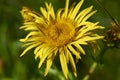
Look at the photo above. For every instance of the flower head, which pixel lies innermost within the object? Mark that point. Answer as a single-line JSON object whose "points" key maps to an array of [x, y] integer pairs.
{"points": [[60, 33], [113, 34]]}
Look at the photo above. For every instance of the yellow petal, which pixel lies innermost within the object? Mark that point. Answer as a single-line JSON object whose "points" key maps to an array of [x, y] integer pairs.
{"points": [[50, 9], [71, 10], [49, 63], [72, 64], [88, 38], [23, 40], [63, 64], [47, 6], [86, 29], [31, 34], [30, 28], [66, 54], [35, 39], [76, 9], [80, 41], [43, 57], [74, 52], [43, 11], [39, 54], [66, 8], [39, 51], [22, 27], [82, 15], [36, 16], [27, 44], [59, 14], [52, 13], [79, 48], [46, 52], [89, 15], [28, 48], [38, 48]]}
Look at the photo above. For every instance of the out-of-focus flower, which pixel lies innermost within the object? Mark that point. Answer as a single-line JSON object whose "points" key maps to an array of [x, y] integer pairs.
{"points": [[113, 34], [60, 33]]}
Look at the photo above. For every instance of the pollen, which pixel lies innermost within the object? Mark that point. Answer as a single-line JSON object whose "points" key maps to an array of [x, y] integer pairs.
{"points": [[60, 33]]}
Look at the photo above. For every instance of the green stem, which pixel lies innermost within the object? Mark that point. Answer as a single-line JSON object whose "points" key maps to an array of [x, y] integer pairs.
{"points": [[91, 70], [94, 65]]}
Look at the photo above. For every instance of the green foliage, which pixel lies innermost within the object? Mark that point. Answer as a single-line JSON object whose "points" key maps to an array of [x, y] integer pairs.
{"points": [[13, 67]]}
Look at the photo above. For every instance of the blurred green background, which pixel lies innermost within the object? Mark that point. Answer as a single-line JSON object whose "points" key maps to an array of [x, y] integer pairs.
{"points": [[13, 67]]}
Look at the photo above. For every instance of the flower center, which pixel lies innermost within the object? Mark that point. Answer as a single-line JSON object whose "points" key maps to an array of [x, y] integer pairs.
{"points": [[60, 34]]}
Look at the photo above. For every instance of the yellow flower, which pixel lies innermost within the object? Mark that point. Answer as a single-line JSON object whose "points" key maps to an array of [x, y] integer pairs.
{"points": [[60, 34]]}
